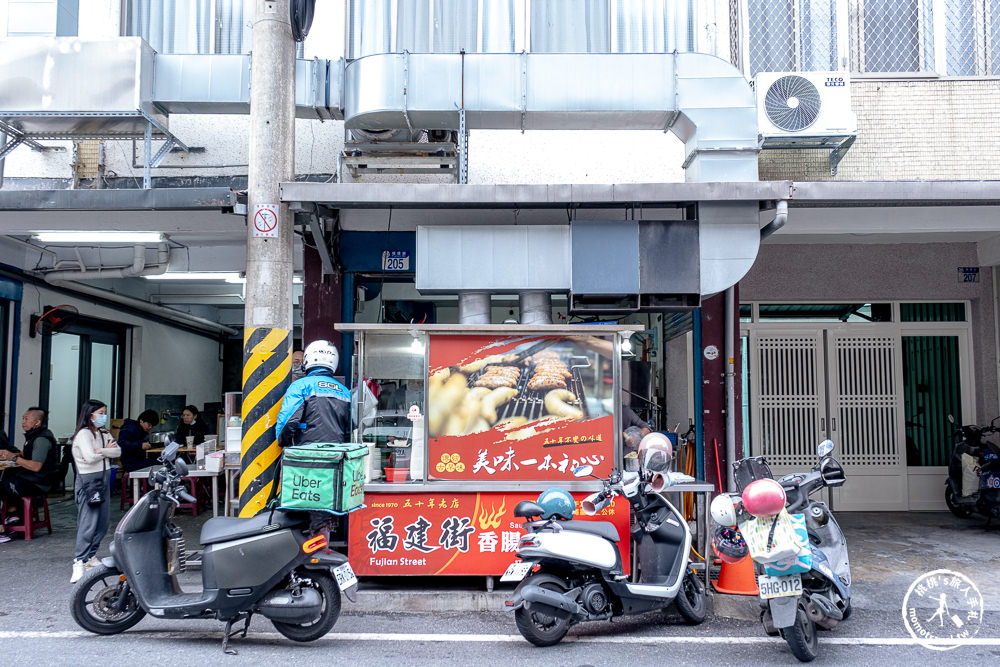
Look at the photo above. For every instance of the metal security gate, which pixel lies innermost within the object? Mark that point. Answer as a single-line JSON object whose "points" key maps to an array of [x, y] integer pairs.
{"points": [[830, 382]]}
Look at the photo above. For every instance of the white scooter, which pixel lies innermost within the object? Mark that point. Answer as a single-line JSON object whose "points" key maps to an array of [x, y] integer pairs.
{"points": [[572, 570]]}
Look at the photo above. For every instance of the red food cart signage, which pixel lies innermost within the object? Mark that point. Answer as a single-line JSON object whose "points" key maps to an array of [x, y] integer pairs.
{"points": [[517, 408], [426, 532]]}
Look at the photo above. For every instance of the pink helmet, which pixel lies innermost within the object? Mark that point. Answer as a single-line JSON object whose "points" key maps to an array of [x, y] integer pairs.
{"points": [[764, 498]]}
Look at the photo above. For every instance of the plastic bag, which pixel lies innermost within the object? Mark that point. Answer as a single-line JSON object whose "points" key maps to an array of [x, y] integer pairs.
{"points": [[767, 546], [365, 409], [970, 475], [800, 562]]}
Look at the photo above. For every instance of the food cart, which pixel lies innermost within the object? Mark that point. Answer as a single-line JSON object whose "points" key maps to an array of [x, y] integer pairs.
{"points": [[465, 421]]}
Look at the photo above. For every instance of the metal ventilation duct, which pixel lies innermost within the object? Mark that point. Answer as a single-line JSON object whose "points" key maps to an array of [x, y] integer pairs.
{"points": [[702, 99]]}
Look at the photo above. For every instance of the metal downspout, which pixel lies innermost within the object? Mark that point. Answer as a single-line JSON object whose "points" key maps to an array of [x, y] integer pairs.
{"points": [[699, 384], [730, 332], [475, 308], [536, 307], [780, 218]]}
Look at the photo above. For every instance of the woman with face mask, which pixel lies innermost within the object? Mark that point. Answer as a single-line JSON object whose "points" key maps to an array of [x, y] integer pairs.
{"points": [[191, 425], [92, 447]]}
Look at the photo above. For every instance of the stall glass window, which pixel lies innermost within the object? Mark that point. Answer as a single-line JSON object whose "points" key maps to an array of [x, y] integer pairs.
{"points": [[394, 370]]}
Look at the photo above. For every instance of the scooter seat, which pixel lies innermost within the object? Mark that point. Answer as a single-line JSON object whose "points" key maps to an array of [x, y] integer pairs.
{"points": [[604, 529], [224, 529]]}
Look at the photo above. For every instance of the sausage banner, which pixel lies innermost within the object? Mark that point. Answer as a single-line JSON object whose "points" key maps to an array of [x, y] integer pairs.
{"points": [[519, 407]]}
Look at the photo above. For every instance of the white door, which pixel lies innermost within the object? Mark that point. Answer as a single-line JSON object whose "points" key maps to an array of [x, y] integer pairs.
{"points": [[866, 420], [814, 383]]}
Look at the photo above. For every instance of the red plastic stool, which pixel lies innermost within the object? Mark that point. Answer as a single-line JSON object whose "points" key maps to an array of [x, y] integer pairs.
{"points": [[35, 515]]}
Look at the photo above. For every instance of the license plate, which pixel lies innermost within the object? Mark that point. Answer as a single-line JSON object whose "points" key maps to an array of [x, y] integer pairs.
{"points": [[345, 576], [779, 587], [517, 571]]}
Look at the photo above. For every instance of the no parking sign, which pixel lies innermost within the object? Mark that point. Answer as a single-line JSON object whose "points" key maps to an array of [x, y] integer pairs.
{"points": [[264, 221]]}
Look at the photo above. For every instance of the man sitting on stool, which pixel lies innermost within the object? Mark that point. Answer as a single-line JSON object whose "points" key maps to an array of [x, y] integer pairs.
{"points": [[35, 468]]}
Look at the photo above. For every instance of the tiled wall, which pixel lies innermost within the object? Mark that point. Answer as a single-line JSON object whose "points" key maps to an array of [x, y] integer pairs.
{"points": [[908, 130]]}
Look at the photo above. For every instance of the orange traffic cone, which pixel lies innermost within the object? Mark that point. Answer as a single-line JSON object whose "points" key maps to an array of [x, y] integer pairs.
{"points": [[737, 578]]}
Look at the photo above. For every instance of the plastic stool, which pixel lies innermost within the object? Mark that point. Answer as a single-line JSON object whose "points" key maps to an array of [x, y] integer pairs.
{"points": [[35, 515]]}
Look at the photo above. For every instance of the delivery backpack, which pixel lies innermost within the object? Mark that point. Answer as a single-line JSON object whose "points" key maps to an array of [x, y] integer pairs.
{"points": [[323, 476]]}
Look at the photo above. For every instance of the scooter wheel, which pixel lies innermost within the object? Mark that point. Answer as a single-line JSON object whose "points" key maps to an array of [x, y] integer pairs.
{"points": [[537, 627], [690, 599], [307, 632], [94, 600], [953, 506], [802, 637]]}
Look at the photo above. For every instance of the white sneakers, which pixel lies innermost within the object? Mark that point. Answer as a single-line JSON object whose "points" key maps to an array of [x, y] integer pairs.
{"points": [[92, 563], [78, 570]]}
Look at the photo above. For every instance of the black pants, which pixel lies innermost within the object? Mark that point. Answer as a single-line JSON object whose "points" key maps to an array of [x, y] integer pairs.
{"points": [[13, 487]]}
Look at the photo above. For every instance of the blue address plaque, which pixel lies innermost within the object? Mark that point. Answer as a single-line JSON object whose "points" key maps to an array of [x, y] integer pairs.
{"points": [[968, 274], [396, 260]]}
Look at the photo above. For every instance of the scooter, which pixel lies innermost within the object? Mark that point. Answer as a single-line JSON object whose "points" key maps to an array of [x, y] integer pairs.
{"points": [[794, 605], [571, 571], [971, 440], [276, 564]]}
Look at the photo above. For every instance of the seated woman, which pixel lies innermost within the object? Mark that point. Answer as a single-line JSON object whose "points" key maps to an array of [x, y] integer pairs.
{"points": [[191, 425]]}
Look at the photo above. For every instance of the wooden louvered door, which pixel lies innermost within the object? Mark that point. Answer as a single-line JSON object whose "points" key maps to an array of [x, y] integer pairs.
{"points": [[832, 382]]}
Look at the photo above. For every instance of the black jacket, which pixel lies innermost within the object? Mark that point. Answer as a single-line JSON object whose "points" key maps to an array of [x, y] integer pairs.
{"points": [[45, 478], [197, 428]]}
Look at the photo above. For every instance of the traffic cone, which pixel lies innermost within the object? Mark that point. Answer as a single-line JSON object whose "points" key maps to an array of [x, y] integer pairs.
{"points": [[737, 578]]}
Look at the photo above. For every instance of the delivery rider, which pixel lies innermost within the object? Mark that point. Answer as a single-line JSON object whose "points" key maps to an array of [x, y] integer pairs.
{"points": [[316, 408]]}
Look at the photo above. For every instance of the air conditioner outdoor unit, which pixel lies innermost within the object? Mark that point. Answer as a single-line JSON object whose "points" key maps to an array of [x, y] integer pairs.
{"points": [[806, 110]]}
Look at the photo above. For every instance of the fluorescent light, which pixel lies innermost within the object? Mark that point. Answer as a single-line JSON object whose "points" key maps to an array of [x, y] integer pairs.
{"points": [[231, 277], [228, 276], [88, 237]]}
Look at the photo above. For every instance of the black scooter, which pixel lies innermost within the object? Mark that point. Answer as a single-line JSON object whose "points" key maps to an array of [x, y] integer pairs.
{"points": [[276, 564], [973, 440]]}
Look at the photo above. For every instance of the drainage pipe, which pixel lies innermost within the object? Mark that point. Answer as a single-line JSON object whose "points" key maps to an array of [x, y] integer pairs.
{"points": [[474, 308], [730, 334], [136, 269], [536, 307], [167, 313], [780, 218]]}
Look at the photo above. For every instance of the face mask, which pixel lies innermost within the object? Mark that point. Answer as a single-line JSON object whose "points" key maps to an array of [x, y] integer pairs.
{"points": [[100, 420], [297, 370]]}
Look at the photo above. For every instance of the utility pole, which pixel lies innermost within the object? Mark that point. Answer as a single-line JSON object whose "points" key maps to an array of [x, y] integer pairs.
{"points": [[267, 333]]}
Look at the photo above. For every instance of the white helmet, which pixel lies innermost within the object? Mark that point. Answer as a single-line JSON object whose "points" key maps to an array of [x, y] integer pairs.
{"points": [[723, 510], [320, 354]]}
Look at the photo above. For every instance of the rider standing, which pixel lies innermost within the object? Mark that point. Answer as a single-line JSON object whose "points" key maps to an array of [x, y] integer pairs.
{"points": [[317, 407]]}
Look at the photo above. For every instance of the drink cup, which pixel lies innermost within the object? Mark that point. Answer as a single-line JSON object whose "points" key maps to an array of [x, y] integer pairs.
{"points": [[190, 441]]}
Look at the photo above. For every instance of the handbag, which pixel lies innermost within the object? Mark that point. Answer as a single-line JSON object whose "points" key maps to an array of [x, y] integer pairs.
{"points": [[96, 490]]}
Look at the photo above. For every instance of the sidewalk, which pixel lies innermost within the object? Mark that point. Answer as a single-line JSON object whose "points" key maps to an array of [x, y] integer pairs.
{"points": [[888, 552]]}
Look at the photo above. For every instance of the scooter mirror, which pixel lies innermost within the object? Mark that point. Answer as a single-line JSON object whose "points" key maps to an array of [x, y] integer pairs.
{"points": [[593, 504], [170, 452], [657, 483], [583, 471], [824, 448]]}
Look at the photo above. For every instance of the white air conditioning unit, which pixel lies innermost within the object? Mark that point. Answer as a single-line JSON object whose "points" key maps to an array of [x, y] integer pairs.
{"points": [[795, 108]]}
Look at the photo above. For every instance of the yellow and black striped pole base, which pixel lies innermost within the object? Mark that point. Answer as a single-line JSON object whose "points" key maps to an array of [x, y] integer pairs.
{"points": [[267, 369]]}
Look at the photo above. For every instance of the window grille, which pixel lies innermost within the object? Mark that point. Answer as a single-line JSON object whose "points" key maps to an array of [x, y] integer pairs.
{"points": [[792, 35]]}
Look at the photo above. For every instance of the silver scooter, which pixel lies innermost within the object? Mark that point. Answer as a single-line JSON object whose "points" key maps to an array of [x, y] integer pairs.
{"points": [[571, 571], [794, 605]]}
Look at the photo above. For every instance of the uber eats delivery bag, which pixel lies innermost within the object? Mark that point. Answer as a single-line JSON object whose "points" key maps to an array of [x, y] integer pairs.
{"points": [[323, 476]]}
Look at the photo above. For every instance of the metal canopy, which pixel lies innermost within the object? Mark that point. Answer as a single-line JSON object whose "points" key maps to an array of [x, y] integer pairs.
{"points": [[447, 196], [155, 199], [810, 194]]}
